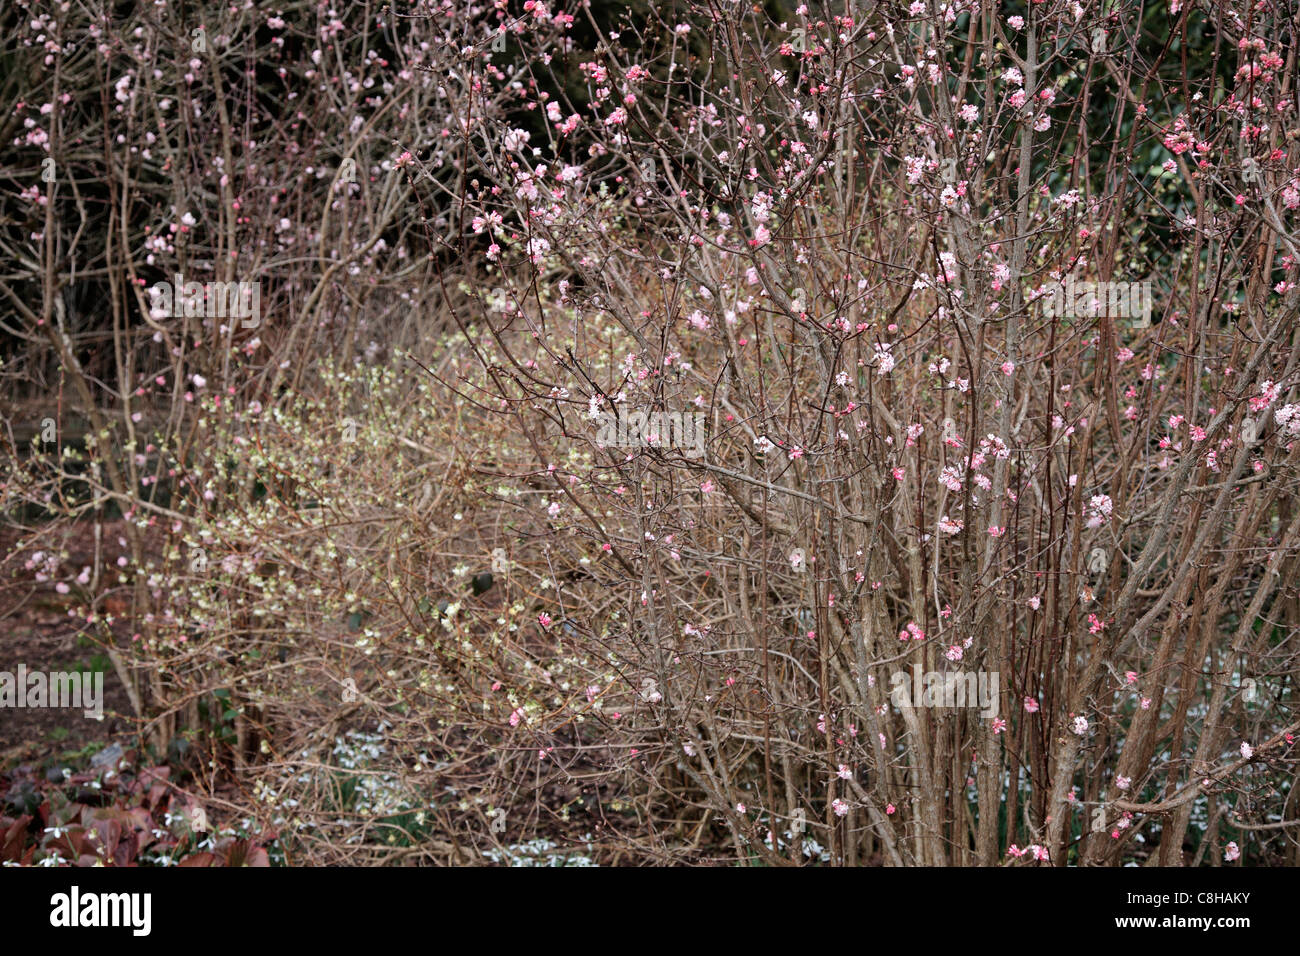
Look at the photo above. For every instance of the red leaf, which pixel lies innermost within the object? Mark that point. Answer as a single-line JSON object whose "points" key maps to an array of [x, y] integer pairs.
{"points": [[258, 856], [13, 838]]}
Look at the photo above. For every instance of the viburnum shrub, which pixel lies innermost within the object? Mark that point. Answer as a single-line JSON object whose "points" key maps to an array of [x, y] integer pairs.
{"points": [[871, 251], [864, 435]]}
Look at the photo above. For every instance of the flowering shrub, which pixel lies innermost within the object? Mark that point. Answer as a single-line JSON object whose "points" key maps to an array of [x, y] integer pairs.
{"points": [[990, 323]]}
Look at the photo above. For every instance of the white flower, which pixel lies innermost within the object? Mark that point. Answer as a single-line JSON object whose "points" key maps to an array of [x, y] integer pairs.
{"points": [[884, 360], [537, 248], [1247, 750], [949, 526], [1288, 419], [1099, 509], [1080, 726]]}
